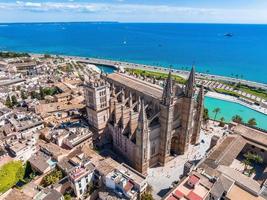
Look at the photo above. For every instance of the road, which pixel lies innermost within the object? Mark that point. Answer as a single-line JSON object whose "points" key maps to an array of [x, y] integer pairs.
{"points": [[182, 73]]}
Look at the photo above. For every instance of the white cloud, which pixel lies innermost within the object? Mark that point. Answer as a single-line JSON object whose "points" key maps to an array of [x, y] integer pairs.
{"points": [[135, 12]]}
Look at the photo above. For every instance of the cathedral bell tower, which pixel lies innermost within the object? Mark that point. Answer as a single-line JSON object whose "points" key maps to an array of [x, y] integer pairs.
{"points": [[187, 113], [166, 120], [97, 99]]}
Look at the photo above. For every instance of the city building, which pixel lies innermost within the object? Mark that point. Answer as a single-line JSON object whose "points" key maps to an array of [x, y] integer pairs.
{"points": [[42, 163], [77, 136], [26, 68], [25, 123], [193, 187], [53, 150], [147, 123], [80, 178], [48, 194], [21, 149], [71, 137], [125, 182]]}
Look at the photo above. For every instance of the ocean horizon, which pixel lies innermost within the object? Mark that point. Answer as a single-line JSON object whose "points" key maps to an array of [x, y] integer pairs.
{"points": [[180, 45]]}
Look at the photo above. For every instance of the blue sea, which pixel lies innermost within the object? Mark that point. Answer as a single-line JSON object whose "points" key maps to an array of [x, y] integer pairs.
{"points": [[180, 45]]}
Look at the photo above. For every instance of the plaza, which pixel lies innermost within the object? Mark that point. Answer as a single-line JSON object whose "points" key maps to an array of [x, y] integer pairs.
{"points": [[161, 178]]}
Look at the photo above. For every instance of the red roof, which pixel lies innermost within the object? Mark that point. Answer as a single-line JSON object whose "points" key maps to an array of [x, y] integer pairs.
{"points": [[193, 179], [171, 197], [178, 194], [193, 196], [128, 186]]}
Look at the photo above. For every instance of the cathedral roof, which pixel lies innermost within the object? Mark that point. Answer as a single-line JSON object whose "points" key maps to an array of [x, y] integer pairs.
{"points": [[136, 84]]}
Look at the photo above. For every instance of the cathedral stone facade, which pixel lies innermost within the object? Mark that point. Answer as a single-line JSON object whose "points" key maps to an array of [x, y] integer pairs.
{"points": [[147, 123]]}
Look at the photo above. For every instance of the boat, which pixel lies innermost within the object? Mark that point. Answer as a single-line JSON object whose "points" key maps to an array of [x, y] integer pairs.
{"points": [[228, 35]]}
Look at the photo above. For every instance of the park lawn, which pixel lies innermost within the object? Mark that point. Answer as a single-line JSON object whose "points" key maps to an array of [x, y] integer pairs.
{"points": [[258, 93], [13, 54], [157, 75], [227, 92], [250, 90], [10, 174]]}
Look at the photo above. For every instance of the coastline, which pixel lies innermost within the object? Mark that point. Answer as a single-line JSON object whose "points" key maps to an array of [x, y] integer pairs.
{"points": [[182, 73], [236, 100]]}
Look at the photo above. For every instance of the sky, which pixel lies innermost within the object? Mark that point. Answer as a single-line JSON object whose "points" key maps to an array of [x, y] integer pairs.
{"points": [[182, 11]]}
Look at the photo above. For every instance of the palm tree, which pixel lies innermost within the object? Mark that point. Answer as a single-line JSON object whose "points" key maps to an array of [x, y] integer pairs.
{"points": [[252, 122], [237, 119], [216, 111], [253, 157], [206, 115], [246, 163], [222, 122], [249, 159]]}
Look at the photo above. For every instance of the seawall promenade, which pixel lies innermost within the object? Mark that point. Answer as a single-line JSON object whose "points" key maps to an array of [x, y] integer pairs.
{"points": [[236, 100], [182, 73]]}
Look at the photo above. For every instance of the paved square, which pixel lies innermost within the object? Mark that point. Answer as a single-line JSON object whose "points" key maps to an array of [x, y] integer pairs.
{"points": [[161, 178]]}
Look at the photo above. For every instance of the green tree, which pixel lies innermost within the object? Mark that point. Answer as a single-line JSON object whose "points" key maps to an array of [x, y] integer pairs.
{"points": [[237, 119], [252, 122], [149, 188], [90, 188], [8, 102], [23, 94], [47, 56], [14, 100], [253, 157], [52, 178], [28, 171], [67, 197], [206, 115], [249, 159], [222, 123], [147, 196], [42, 93], [246, 163], [216, 111], [35, 95]]}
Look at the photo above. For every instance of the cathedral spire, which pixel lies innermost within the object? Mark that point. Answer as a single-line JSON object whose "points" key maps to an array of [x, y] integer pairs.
{"points": [[167, 95], [130, 100], [198, 116], [142, 139], [113, 92], [142, 120], [200, 97], [122, 95], [190, 84]]}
